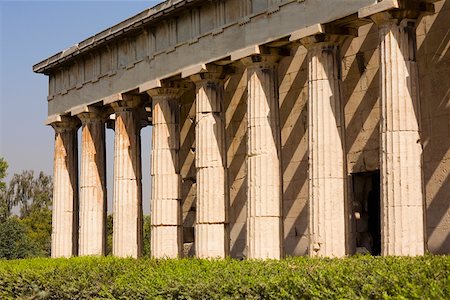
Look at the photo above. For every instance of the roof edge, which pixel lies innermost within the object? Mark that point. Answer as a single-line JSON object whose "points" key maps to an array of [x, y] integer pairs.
{"points": [[151, 14]]}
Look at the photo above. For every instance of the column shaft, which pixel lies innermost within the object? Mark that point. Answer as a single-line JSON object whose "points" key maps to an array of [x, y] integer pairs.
{"points": [[326, 152], [264, 231], [92, 186], [166, 235], [211, 235], [127, 231], [402, 209], [65, 190]]}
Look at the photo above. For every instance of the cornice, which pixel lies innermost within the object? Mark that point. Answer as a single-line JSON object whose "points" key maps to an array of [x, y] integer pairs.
{"points": [[136, 22]]}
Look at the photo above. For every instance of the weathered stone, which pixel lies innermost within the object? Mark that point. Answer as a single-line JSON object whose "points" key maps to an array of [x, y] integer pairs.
{"points": [[401, 152], [166, 231], [327, 170], [264, 228], [92, 240], [65, 189], [211, 229], [256, 152], [127, 201]]}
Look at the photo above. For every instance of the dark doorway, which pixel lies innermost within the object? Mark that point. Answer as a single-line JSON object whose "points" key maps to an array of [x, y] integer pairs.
{"points": [[366, 212]]}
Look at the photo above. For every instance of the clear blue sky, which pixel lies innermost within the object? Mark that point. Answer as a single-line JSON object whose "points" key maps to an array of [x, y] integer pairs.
{"points": [[31, 31]]}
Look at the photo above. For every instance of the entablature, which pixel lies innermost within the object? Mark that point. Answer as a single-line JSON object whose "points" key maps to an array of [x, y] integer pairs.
{"points": [[180, 36]]}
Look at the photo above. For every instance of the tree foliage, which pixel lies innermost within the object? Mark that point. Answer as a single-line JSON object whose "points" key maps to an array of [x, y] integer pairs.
{"points": [[38, 227], [4, 208], [28, 235], [14, 241], [109, 234], [146, 245], [3, 169], [28, 193]]}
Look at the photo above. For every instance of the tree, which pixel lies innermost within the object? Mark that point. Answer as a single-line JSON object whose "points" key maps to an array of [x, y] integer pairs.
{"points": [[5, 208], [146, 249], [3, 169], [28, 193], [34, 198], [109, 234], [38, 227], [14, 242], [29, 235], [42, 193]]}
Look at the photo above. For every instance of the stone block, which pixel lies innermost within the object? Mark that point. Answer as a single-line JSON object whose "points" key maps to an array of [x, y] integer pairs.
{"points": [[166, 242], [165, 186], [211, 240], [164, 162], [211, 202], [166, 212], [267, 245]]}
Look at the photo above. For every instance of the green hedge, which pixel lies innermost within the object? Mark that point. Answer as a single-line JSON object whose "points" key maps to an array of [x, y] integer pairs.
{"points": [[362, 277]]}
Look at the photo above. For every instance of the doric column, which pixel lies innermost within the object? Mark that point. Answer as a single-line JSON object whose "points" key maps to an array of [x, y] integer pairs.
{"points": [[211, 228], [402, 209], [92, 184], [264, 226], [327, 169], [166, 232], [127, 201], [65, 189]]}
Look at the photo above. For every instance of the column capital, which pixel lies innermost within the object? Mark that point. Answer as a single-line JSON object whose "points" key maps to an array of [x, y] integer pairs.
{"points": [[323, 40], [128, 102], [166, 93], [263, 61], [390, 11], [210, 74], [94, 114], [322, 35], [383, 19], [168, 90], [257, 56], [65, 123]]}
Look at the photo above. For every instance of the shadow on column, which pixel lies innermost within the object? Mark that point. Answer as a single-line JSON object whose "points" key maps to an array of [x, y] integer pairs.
{"points": [[293, 72], [235, 99], [187, 171]]}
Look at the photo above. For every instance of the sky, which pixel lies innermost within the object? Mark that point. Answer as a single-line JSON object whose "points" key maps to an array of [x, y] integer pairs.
{"points": [[31, 31]]}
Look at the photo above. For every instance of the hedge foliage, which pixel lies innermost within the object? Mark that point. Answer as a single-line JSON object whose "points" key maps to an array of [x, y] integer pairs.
{"points": [[361, 277]]}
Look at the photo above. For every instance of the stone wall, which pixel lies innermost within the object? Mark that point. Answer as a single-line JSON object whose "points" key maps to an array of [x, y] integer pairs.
{"points": [[433, 56]]}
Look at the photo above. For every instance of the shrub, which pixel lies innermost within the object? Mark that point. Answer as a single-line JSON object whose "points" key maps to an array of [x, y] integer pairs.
{"points": [[361, 277]]}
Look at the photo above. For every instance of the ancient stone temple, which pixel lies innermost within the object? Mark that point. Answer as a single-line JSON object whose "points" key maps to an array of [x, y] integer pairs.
{"points": [[279, 128]]}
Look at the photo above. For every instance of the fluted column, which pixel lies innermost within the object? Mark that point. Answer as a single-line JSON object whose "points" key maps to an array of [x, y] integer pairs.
{"points": [[327, 168], [65, 189], [211, 228], [127, 200], [402, 208], [264, 226], [166, 232], [92, 239]]}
